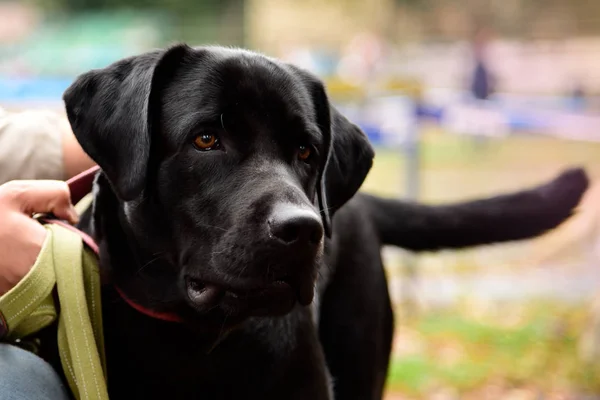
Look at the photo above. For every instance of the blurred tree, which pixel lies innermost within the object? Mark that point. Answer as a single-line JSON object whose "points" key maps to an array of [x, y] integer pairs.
{"points": [[196, 21], [411, 3], [548, 19]]}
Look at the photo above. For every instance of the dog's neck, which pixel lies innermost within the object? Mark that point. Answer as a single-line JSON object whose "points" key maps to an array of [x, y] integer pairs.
{"points": [[122, 259]]}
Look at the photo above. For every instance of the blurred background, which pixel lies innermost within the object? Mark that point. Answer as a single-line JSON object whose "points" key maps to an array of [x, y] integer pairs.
{"points": [[463, 99]]}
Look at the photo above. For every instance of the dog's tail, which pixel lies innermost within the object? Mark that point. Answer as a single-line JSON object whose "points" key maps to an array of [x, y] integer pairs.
{"points": [[515, 216]]}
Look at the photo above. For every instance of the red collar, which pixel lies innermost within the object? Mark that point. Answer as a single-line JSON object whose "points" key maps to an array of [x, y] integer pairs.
{"points": [[165, 316], [80, 185]]}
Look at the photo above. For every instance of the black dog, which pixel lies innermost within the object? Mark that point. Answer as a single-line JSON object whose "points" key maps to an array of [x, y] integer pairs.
{"points": [[222, 172]]}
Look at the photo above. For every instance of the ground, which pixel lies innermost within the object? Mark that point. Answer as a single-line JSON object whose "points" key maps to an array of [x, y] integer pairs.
{"points": [[518, 351]]}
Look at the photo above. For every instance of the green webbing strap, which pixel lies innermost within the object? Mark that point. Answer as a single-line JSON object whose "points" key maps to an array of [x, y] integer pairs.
{"points": [[66, 264]]}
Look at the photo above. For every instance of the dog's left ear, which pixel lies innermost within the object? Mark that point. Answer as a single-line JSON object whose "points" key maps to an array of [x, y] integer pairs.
{"points": [[348, 153]]}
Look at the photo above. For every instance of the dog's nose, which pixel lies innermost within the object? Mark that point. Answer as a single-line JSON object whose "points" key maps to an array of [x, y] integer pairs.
{"points": [[291, 224]]}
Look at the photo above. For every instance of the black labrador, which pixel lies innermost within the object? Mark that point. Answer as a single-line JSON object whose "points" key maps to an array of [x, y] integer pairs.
{"points": [[227, 198]]}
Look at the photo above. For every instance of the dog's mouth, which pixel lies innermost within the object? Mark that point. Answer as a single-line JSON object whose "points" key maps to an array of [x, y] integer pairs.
{"points": [[273, 299]]}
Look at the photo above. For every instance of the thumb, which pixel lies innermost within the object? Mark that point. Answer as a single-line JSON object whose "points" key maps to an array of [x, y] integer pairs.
{"points": [[41, 196]]}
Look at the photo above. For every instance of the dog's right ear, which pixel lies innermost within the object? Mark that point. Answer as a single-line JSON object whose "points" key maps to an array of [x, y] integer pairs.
{"points": [[110, 113]]}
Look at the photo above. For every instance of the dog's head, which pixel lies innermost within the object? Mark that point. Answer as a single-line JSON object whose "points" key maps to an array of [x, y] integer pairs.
{"points": [[226, 163]]}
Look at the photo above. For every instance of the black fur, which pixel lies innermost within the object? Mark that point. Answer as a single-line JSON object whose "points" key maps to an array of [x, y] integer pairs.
{"points": [[514, 216], [170, 218]]}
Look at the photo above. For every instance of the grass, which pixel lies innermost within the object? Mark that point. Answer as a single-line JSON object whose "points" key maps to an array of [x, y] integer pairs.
{"points": [[450, 348]]}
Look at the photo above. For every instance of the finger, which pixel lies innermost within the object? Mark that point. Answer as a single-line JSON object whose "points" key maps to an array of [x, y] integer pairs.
{"points": [[41, 196]]}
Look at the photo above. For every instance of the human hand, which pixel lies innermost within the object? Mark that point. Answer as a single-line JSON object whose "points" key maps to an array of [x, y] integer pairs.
{"points": [[22, 237]]}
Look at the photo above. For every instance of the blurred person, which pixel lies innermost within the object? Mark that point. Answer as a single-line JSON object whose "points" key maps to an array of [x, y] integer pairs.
{"points": [[482, 81], [24, 375], [578, 97], [38, 144], [361, 58], [33, 145]]}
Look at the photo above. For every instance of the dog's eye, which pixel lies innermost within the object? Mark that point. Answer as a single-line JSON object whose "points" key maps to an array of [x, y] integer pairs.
{"points": [[206, 141], [304, 153]]}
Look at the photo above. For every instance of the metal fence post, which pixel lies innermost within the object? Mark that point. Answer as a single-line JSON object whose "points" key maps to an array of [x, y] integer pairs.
{"points": [[412, 157]]}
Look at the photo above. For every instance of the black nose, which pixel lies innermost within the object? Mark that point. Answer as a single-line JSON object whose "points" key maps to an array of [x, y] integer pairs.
{"points": [[291, 224]]}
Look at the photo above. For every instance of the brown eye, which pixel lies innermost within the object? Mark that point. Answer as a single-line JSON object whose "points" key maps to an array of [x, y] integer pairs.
{"points": [[304, 153], [206, 141]]}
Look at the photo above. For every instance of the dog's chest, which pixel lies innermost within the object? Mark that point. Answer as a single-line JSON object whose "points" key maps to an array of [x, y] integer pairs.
{"points": [[155, 360]]}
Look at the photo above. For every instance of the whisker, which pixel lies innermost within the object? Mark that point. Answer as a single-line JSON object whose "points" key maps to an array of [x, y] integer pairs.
{"points": [[222, 326], [214, 253], [158, 255], [212, 226], [323, 209], [242, 270], [267, 272]]}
